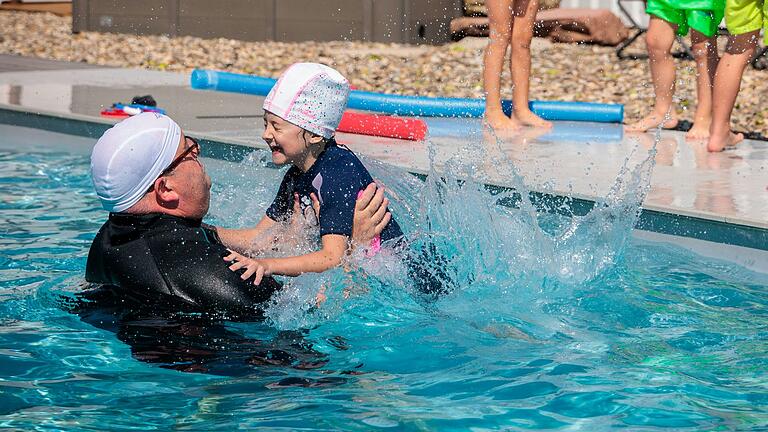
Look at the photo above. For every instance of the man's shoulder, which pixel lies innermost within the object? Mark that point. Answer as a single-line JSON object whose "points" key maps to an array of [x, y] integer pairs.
{"points": [[155, 256], [126, 234]]}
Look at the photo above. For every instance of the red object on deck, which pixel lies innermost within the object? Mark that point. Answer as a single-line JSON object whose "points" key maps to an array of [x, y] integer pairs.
{"points": [[383, 126], [114, 113]]}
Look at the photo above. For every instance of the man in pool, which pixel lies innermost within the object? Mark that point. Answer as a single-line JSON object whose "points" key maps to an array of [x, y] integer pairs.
{"points": [[154, 249]]}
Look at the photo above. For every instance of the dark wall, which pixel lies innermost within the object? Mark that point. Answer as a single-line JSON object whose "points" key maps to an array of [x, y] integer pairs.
{"points": [[409, 21]]}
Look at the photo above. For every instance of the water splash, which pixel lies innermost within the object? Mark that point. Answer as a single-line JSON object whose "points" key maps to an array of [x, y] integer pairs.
{"points": [[525, 234], [677, 340], [498, 254]]}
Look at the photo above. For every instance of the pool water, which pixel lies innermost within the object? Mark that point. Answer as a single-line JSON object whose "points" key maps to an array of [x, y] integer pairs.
{"points": [[547, 324]]}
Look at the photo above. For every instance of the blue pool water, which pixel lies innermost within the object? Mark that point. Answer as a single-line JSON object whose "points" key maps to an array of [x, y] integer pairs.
{"points": [[548, 325]]}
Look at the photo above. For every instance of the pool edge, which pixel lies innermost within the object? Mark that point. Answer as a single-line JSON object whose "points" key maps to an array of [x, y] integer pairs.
{"points": [[716, 228]]}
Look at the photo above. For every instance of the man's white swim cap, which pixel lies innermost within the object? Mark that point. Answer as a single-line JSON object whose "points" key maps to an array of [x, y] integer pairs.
{"points": [[130, 156], [311, 96]]}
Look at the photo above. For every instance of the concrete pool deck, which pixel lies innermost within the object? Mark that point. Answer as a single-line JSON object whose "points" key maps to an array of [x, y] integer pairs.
{"points": [[580, 160]]}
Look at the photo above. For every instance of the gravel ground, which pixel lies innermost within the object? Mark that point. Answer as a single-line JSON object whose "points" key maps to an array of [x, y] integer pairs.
{"points": [[560, 71]]}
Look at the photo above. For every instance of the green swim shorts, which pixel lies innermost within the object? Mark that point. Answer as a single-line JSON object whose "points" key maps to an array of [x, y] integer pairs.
{"points": [[744, 16], [704, 16]]}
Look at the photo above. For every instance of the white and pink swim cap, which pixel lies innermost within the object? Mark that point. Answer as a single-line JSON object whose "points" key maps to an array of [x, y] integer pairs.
{"points": [[311, 96]]}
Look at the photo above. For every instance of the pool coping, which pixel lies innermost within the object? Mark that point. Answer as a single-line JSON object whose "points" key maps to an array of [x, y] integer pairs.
{"points": [[699, 225]]}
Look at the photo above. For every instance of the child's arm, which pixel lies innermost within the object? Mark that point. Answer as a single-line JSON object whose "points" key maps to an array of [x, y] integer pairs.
{"points": [[334, 246], [248, 239], [244, 239], [371, 216], [254, 239]]}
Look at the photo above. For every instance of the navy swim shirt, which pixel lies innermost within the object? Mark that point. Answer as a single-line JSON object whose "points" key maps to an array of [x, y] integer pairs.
{"points": [[336, 178]]}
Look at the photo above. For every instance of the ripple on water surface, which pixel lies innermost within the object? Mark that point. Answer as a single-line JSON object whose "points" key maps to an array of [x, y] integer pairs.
{"points": [[657, 338]]}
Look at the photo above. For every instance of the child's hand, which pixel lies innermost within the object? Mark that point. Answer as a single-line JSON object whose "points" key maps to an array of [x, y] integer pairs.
{"points": [[320, 298], [310, 214], [260, 268]]}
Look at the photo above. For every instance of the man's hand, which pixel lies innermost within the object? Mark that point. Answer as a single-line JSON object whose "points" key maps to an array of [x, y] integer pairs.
{"points": [[258, 267], [371, 215]]}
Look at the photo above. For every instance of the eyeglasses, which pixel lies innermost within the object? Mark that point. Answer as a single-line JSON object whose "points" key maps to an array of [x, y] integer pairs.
{"points": [[193, 151]]}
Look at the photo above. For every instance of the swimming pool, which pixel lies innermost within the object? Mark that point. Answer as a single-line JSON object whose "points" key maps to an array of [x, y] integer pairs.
{"points": [[610, 331]]}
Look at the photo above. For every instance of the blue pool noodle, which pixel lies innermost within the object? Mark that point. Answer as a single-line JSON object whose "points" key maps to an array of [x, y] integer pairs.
{"points": [[415, 105]]}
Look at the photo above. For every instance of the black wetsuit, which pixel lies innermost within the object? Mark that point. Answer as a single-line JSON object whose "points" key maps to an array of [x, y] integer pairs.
{"points": [[167, 262]]}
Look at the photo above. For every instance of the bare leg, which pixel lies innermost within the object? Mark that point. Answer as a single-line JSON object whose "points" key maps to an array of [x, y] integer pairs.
{"points": [[738, 52], [500, 19], [705, 54], [520, 63], [659, 39]]}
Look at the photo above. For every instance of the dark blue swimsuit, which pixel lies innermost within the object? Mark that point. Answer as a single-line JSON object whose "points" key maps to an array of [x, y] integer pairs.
{"points": [[336, 178]]}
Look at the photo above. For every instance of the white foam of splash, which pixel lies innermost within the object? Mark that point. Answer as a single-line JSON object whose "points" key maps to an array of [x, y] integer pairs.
{"points": [[490, 239], [498, 262], [502, 262]]}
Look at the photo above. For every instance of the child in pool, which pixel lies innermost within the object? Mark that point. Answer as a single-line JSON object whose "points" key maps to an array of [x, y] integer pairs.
{"points": [[511, 25], [744, 19], [301, 114], [675, 17]]}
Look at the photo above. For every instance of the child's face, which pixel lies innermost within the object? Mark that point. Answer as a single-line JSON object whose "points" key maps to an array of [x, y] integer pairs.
{"points": [[288, 142]]}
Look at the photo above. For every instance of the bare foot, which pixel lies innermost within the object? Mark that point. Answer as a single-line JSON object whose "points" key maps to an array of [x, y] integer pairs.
{"points": [[528, 118], [718, 142], [497, 120], [699, 131], [651, 121]]}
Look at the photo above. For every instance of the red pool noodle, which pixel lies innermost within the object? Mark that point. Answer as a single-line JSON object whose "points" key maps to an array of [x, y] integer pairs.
{"points": [[114, 113], [383, 126]]}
